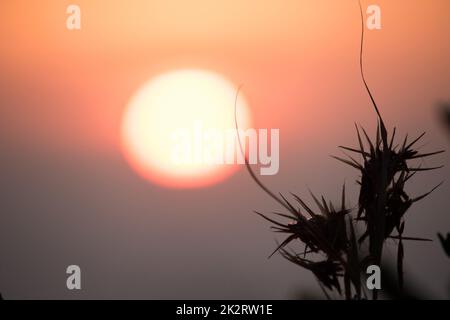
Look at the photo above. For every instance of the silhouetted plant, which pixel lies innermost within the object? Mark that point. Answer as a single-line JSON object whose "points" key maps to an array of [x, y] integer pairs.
{"points": [[383, 201], [445, 114], [332, 250], [445, 242]]}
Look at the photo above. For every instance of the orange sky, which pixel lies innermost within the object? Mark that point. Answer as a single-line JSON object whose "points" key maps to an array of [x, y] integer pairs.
{"points": [[62, 95], [287, 53]]}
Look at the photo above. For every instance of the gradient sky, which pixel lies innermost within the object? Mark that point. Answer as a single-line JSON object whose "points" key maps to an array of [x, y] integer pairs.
{"points": [[69, 197]]}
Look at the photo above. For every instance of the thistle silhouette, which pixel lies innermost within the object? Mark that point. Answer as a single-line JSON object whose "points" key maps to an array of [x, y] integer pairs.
{"points": [[332, 249], [445, 242]]}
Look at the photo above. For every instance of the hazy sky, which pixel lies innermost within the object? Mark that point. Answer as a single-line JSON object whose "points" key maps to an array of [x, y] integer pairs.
{"points": [[69, 197]]}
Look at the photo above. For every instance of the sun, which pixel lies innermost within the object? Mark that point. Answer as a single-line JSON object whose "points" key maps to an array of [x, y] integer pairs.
{"points": [[174, 125]]}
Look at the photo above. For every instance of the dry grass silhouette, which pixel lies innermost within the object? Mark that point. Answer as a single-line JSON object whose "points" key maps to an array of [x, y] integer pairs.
{"points": [[333, 251]]}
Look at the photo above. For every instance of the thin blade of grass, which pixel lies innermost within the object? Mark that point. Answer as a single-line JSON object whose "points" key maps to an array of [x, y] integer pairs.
{"points": [[426, 194], [348, 162]]}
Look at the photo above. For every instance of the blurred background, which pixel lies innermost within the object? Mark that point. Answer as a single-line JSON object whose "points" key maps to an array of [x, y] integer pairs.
{"points": [[67, 195]]}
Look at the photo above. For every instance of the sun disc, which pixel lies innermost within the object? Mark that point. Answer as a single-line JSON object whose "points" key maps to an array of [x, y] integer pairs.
{"points": [[177, 120]]}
